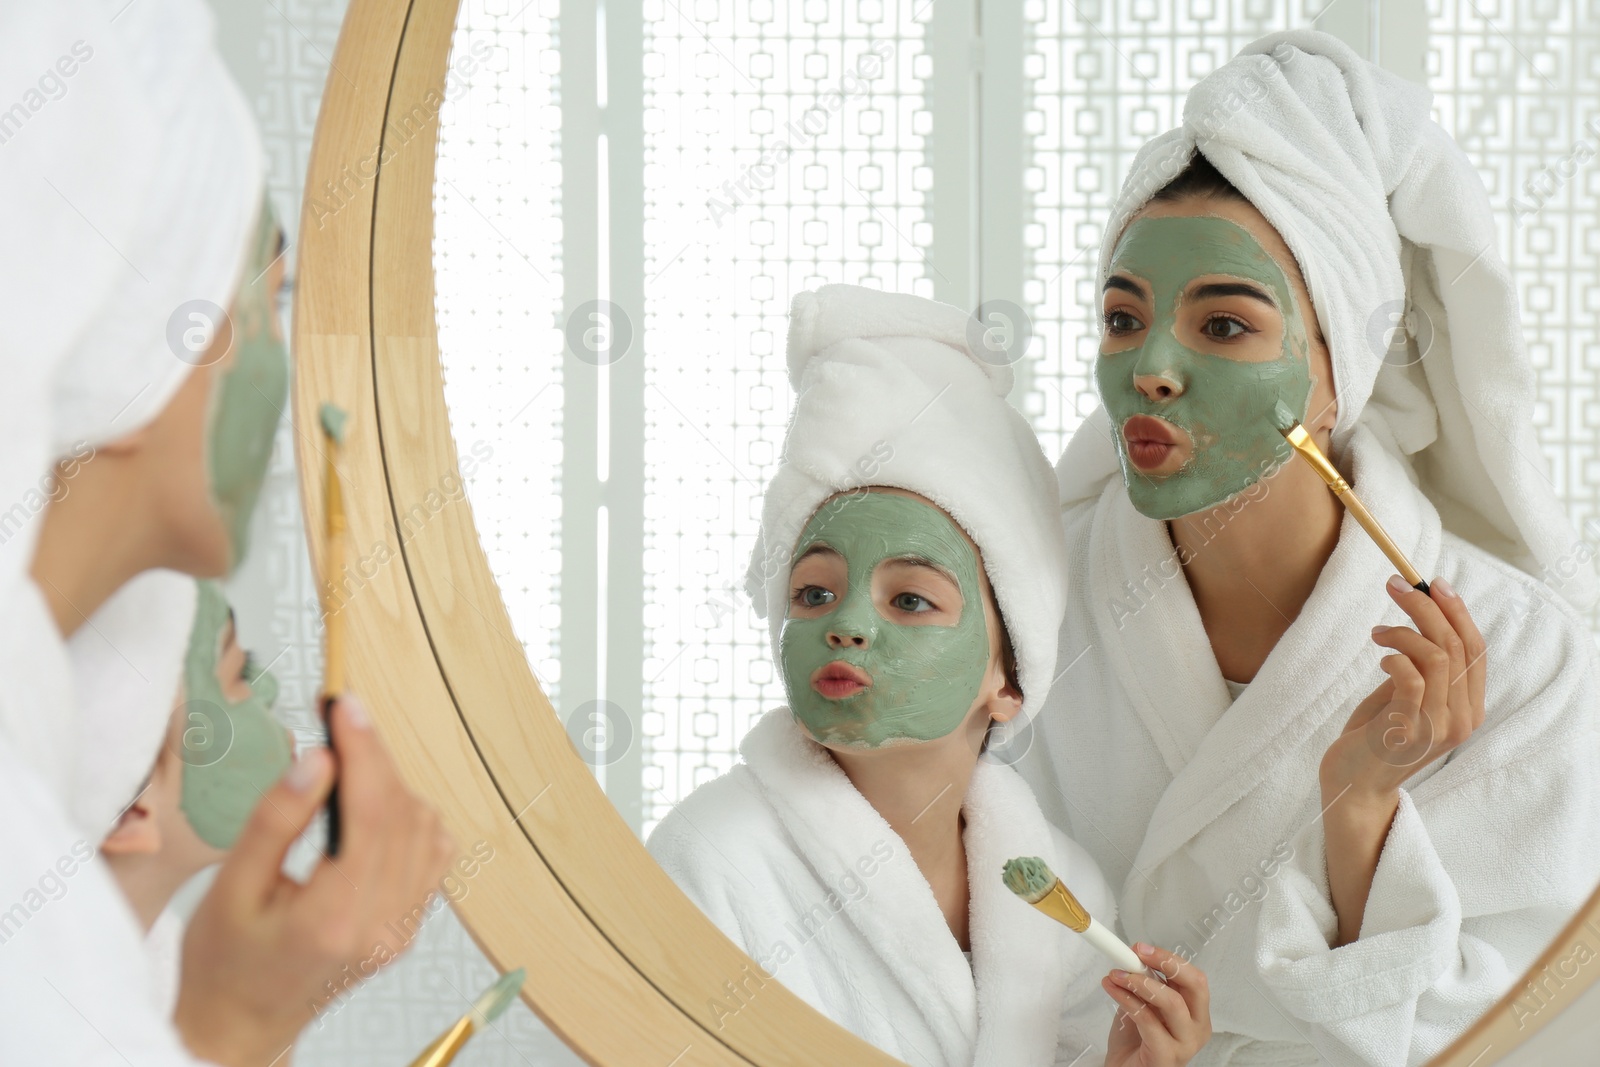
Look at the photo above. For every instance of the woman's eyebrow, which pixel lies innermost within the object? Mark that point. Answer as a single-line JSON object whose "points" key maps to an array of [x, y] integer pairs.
{"points": [[1215, 289], [1117, 281]]}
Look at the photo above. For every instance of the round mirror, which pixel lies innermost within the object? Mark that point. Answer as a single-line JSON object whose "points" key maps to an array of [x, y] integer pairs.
{"points": [[555, 298]]}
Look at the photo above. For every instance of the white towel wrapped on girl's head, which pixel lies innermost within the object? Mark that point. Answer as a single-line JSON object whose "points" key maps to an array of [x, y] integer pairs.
{"points": [[889, 392]]}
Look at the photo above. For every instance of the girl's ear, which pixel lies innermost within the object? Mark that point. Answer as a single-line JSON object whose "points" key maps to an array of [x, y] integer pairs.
{"points": [[1006, 704], [135, 834]]}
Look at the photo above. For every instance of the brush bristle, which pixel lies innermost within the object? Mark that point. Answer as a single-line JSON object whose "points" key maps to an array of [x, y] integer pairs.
{"points": [[498, 997], [1028, 877], [1283, 418], [333, 419]]}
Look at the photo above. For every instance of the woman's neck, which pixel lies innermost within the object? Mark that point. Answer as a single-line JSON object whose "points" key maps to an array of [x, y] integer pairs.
{"points": [[90, 544], [919, 790], [148, 883], [1251, 564]]}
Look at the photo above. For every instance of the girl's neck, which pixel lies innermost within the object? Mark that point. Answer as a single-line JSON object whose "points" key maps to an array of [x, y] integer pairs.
{"points": [[919, 790], [1252, 563]]}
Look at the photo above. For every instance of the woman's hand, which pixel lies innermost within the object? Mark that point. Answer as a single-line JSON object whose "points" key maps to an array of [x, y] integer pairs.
{"points": [[1430, 703], [263, 952], [1159, 1024]]}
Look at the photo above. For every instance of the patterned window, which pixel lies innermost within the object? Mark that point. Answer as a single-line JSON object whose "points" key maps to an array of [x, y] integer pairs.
{"points": [[628, 196]]}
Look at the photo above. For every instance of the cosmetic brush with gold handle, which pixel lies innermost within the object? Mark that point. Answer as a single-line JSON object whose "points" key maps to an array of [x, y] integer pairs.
{"points": [[1300, 440], [333, 419], [485, 1010], [1029, 877]]}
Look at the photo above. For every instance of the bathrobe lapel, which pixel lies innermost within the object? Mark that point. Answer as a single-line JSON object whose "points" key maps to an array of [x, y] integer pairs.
{"points": [[1018, 967], [834, 827], [1219, 752], [1005, 1007]]}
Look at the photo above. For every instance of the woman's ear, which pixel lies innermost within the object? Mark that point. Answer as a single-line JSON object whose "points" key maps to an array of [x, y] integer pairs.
{"points": [[136, 832]]}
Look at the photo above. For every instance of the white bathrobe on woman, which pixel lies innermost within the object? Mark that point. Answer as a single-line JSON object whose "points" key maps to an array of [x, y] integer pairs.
{"points": [[1205, 812], [798, 869], [131, 194]]}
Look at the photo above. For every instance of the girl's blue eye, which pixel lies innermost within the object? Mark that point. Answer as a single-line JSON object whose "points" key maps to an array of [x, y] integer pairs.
{"points": [[814, 596], [909, 602]]}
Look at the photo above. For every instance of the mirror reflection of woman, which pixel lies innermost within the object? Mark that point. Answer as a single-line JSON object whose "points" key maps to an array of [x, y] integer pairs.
{"points": [[1363, 809]]}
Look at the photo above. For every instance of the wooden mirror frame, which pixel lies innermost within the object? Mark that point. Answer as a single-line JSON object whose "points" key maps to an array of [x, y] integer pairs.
{"points": [[621, 965]]}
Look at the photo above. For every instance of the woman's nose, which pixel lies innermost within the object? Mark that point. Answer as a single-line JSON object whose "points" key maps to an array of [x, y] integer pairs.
{"points": [[1161, 385]]}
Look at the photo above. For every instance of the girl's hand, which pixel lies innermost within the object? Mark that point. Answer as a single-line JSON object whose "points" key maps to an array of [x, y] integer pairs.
{"points": [[1431, 702], [1159, 1024], [263, 952]]}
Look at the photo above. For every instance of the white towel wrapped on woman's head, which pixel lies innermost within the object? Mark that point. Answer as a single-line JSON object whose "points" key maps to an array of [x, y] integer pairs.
{"points": [[889, 392], [1387, 220]]}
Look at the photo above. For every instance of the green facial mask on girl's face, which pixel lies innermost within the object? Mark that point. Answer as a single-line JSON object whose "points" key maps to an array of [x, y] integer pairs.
{"points": [[249, 397], [925, 678], [232, 753], [1226, 405]]}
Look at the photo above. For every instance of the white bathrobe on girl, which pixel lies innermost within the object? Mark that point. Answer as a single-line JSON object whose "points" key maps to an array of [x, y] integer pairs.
{"points": [[783, 852], [1204, 808]]}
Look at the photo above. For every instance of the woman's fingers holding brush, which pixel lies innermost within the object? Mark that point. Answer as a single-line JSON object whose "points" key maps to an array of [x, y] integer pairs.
{"points": [[1475, 648], [394, 846], [1442, 617], [262, 948], [1448, 654]]}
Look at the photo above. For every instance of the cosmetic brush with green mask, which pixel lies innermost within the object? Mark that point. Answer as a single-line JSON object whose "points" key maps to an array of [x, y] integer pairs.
{"points": [[232, 752]]}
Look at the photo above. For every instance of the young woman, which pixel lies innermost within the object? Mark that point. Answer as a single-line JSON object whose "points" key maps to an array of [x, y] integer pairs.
{"points": [[139, 214], [1363, 808]]}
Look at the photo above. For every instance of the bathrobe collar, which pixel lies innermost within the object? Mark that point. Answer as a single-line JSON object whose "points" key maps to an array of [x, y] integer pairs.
{"points": [[1183, 701], [988, 1013]]}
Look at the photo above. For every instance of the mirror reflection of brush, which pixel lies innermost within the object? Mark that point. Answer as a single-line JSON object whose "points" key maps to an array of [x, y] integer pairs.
{"points": [[1300, 440], [485, 1010], [333, 419], [1029, 877]]}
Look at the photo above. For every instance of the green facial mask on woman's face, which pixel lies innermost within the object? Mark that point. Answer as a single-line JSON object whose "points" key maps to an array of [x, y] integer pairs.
{"points": [[248, 400], [925, 678], [1226, 405], [232, 753]]}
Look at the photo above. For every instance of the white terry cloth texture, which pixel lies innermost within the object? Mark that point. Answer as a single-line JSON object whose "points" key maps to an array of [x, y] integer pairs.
{"points": [[1386, 216], [889, 392], [127, 671], [1205, 811], [796, 867], [127, 195]]}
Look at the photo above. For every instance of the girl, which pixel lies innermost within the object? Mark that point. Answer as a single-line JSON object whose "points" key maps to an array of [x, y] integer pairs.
{"points": [[911, 568]]}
